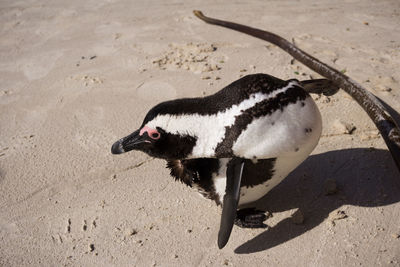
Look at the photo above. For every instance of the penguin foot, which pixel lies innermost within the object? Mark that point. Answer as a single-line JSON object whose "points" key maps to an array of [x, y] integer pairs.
{"points": [[250, 218]]}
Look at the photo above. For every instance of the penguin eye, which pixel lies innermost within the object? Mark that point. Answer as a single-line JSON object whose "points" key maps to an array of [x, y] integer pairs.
{"points": [[152, 133], [155, 136]]}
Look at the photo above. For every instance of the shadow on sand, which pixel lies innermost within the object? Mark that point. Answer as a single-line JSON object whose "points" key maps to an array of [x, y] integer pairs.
{"points": [[365, 177]]}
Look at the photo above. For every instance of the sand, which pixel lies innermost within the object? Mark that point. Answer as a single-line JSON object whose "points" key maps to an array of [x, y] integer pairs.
{"points": [[77, 75]]}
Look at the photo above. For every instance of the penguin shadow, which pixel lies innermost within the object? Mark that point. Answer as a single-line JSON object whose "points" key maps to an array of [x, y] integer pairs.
{"points": [[365, 177]]}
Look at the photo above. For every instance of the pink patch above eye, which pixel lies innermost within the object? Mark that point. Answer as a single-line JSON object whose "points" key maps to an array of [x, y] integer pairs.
{"points": [[152, 133]]}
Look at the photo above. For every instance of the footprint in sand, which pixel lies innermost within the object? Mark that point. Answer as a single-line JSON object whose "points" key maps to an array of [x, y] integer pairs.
{"points": [[75, 229]]}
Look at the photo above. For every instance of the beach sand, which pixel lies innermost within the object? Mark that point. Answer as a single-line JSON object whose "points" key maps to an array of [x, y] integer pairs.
{"points": [[75, 76]]}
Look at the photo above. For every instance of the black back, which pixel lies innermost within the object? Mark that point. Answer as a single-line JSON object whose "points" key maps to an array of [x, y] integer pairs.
{"points": [[231, 95]]}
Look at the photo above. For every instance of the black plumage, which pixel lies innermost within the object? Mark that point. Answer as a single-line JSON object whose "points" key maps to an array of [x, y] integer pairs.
{"points": [[198, 173]]}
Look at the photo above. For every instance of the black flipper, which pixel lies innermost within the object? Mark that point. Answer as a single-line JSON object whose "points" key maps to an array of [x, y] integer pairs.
{"points": [[320, 86], [231, 199]]}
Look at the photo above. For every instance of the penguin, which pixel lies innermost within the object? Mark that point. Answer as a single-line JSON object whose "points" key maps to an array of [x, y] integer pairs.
{"points": [[254, 131], [236, 145], [207, 175]]}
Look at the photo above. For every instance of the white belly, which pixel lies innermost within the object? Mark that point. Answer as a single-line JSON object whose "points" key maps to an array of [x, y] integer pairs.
{"points": [[284, 136], [281, 132]]}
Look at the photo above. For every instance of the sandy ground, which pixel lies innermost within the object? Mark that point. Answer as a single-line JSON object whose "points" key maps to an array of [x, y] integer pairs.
{"points": [[77, 75]]}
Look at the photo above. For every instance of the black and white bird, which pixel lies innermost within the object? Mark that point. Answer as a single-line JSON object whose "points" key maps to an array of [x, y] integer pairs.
{"points": [[266, 125]]}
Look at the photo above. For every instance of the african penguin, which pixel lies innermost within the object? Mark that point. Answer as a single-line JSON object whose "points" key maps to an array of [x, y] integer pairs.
{"points": [[271, 124]]}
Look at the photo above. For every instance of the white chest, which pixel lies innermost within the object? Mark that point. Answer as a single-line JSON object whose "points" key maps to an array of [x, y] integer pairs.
{"points": [[281, 133]]}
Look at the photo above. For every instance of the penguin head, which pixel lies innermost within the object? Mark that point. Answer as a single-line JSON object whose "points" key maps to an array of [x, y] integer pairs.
{"points": [[153, 139]]}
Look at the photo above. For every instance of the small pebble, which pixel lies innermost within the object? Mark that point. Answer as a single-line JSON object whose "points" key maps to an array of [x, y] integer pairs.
{"points": [[383, 88], [343, 127], [330, 187], [130, 232], [337, 215]]}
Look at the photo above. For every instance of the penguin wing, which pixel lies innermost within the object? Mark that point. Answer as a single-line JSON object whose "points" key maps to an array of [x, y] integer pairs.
{"points": [[234, 173]]}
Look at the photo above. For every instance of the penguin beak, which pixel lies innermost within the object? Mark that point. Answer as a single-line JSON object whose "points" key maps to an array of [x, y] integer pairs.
{"points": [[128, 143]]}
